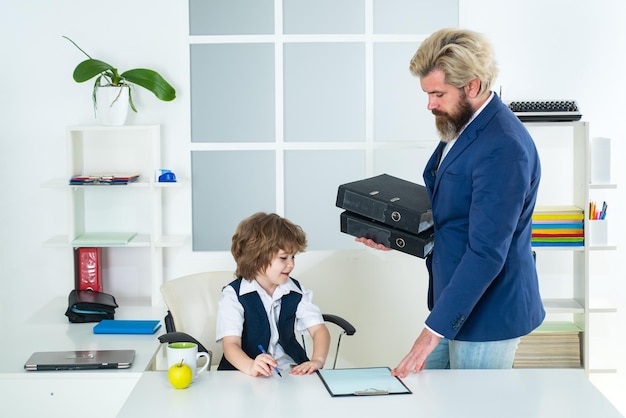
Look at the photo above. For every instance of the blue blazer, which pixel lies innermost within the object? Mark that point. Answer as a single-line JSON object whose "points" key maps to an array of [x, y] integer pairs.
{"points": [[482, 277]]}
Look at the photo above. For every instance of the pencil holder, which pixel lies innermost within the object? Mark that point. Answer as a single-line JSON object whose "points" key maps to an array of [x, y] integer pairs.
{"points": [[598, 232]]}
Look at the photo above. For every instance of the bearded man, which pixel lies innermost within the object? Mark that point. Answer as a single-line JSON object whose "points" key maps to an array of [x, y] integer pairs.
{"points": [[482, 180]]}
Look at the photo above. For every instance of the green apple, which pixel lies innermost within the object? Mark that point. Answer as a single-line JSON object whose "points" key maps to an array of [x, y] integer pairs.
{"points": [[180, 375]]}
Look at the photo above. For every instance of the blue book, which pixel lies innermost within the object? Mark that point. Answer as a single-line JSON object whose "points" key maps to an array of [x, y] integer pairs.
{"points": [[557, 244], [127, 326], [552, 225]]}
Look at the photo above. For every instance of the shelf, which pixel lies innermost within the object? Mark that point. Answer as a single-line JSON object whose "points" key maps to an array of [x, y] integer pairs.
{"points": [[603, 310], [554, 305], [133, 207], [167, 241], [605, 371], [140, 240], [607, 247], [57, 241], [601, 306], [566, 158], [603, 186], [63, 183], [173, 185], [558, 306], [55, 183]]}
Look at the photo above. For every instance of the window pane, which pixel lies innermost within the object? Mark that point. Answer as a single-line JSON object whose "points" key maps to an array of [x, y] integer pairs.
{"points": [[400, 112], [407, 164], [231, 17], [414, 16], [311, 193], [324, 92], [323, 16], [227, 187], [232, 99]]}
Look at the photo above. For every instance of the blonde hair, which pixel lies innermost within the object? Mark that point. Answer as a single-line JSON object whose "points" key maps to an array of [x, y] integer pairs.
{"points": [[259, 238], [461, 54]]}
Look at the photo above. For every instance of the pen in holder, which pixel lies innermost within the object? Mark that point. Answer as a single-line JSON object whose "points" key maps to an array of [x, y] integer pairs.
{"points": [[598, 233]]}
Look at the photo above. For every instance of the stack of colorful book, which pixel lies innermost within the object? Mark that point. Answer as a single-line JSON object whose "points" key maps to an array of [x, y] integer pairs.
{"points": [[558, 226]]}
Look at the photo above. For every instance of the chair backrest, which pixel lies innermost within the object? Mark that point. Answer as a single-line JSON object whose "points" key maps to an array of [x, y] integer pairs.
{"points": [[192, 301]]}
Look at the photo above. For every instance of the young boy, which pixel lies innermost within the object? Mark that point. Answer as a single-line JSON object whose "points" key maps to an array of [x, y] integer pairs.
{"points": [[259, 309]]}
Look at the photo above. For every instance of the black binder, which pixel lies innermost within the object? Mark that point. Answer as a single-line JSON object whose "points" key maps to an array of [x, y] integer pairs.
{"points": [[388, 200], [419, 245]]}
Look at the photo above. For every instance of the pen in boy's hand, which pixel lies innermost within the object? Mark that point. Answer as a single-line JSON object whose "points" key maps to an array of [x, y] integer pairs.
{"points": [[275, 368]]}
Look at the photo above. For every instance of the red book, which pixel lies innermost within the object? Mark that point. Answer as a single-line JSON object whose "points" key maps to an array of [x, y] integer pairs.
{"points": [[88, 269]]}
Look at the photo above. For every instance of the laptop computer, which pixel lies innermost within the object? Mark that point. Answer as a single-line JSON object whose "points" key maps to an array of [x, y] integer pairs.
{"points": [[80, 360]]}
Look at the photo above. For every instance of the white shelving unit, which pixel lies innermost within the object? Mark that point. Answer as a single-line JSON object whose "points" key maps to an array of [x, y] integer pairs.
{"points": [[564, 272], [136, 207]]}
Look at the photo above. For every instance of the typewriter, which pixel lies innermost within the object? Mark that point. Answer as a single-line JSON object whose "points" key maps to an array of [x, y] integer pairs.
{"points": [[546, 111]]}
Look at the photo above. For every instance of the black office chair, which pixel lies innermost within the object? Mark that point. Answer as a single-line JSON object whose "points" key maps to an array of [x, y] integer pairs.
{"points": [[192, 310], [345, 327]]}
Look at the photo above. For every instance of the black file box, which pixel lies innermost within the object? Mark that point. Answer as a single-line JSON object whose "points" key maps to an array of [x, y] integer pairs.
{"points": [[388, 200], [419, 245]]}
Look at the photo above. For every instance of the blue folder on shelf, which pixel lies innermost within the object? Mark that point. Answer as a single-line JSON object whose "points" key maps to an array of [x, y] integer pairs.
{"points": [[127, 326]]}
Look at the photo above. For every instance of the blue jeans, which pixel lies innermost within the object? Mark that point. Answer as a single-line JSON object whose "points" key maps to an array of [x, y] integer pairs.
{"points": [[451, 354]]}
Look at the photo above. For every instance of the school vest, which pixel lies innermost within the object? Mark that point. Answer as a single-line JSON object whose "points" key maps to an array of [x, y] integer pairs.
{"points": [[256, 325]]}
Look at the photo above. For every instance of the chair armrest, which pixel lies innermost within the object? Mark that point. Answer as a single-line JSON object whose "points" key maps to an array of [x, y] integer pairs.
{"points": [[169, 322], [339, 321]]}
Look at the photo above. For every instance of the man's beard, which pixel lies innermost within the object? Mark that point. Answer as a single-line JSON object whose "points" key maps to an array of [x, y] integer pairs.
{"points": [[450, 125]]}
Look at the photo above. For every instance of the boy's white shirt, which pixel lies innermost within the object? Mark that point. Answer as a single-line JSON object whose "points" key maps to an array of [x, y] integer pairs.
{"points": [[230, 314]]}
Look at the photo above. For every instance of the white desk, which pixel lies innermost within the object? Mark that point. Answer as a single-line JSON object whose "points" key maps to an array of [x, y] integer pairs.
{"points": [[70, 394], [436, 393]]}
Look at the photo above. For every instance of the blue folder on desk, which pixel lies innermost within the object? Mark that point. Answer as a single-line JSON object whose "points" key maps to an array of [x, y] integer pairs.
{"points": [[127, 326]]}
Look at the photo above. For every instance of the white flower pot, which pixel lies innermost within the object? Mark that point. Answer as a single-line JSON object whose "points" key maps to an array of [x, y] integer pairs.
{"points": [[112, 104]]}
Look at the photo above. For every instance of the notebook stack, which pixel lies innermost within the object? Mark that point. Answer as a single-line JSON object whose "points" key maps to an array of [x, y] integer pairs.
{"points": [[552, 345], [103, 179], [558, 226]]}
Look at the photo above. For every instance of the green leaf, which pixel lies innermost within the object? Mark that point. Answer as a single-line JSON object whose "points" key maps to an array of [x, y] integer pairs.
{"points": [[130, 100], [150, 80], [90, 68]]}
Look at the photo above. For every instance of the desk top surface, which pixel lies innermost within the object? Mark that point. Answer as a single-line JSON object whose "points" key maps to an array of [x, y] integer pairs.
{"points": [[436, 393], [50, 330]]}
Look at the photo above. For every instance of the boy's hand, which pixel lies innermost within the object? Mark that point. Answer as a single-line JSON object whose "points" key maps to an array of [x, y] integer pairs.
{"points": [[263, 365], [307, 367]]}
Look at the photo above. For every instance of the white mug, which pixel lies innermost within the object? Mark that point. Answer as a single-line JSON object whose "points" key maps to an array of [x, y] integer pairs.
{"points": [[188, 354]]}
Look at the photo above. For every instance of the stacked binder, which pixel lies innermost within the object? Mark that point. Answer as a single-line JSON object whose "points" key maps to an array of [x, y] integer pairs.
{"points": [[552, 345], [389, 211], [558, 226]]}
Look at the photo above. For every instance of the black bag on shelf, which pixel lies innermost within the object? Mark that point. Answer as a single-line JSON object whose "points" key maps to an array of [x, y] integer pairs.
{"points": [[90, 306]]}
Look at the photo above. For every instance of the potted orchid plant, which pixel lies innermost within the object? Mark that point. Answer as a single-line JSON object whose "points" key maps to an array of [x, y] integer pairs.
{"points": [[112, 88]]}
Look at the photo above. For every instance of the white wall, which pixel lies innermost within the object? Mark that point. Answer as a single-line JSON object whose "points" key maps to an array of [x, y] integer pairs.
{"points": [[546, 49]]}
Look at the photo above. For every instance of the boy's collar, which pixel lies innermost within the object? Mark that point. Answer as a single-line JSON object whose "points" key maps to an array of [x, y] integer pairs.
{"points": [[253, 286]]}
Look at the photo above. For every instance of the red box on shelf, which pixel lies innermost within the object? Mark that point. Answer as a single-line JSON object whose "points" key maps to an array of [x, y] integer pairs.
{"points": [[88, 272]]}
